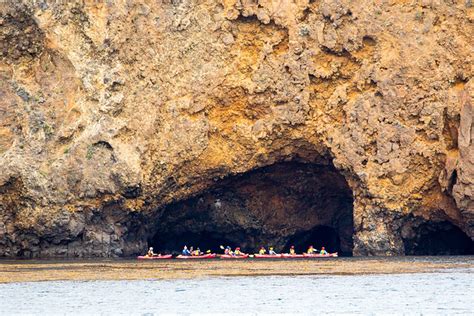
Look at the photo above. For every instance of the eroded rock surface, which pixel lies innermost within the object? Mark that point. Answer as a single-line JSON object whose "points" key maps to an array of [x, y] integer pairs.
{"points": [[111, 112]]}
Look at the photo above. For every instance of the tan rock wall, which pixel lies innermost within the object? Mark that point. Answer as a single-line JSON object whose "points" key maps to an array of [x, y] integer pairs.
{"points": [[138, 104]]}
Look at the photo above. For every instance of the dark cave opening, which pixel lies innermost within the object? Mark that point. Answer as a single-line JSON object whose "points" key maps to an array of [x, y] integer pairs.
{"points": [[284, 204], [320, 236], [439, 238], [172, 243]]}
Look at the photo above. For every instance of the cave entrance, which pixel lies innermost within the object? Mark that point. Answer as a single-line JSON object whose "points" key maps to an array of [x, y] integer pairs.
{"points": [[288, 203], [320, 236], [439, 238]]}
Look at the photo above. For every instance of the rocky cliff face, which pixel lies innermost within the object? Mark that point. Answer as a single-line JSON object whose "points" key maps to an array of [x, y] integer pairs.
{"points": [[127, 123]]}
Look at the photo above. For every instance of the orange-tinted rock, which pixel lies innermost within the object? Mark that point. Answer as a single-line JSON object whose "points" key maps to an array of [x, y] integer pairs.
{"points": [[109, 113]]}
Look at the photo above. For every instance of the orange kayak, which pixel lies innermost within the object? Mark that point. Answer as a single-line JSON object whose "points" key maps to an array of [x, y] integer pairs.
{"points": [[268, 256], [288, 256], [317, 255], [206, 256], [159, 257], [234, 257]]}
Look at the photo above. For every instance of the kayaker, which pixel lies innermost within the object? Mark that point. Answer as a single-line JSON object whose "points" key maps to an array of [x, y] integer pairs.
{"points": [[310, 250], [150, 252], [228, 251], [262, 251], [272, 252], [197, 252], [323, 251], [292, 250], [185, 251], [237, 252]]}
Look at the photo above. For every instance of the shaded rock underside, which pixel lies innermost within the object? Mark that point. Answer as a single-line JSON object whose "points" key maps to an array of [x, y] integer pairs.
{"points": [[272, 206]]}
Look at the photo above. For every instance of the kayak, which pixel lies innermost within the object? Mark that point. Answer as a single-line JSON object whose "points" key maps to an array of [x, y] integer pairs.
{"points": [[160, 257], [268, 256], [234, 257], [288, 256], [207, 256], [317, 255]]}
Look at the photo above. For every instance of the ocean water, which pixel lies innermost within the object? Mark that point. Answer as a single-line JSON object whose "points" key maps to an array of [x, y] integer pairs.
{"points": [[443, 293]]}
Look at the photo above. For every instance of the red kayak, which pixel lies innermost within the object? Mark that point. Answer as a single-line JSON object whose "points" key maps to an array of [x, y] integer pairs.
{"points": [[317, 255], [268, 256], [234, 257], [159, 257], [288, 256], [207, 256]]}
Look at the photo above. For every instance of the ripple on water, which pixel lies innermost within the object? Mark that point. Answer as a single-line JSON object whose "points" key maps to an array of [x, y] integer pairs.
{"points": [[422, 293]]}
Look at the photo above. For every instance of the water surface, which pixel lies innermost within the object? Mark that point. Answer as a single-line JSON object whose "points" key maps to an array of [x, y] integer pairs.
{"points": [[403, 285], [423, 293]]}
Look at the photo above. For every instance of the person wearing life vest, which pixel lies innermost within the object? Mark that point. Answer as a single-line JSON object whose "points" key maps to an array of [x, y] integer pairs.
{"points": [[197, 252], [186, 251], [237, 252], [262, 251], [311, 250], [292, 250], [150, 252], [228, 251], [323, 251], [272, 252]]}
